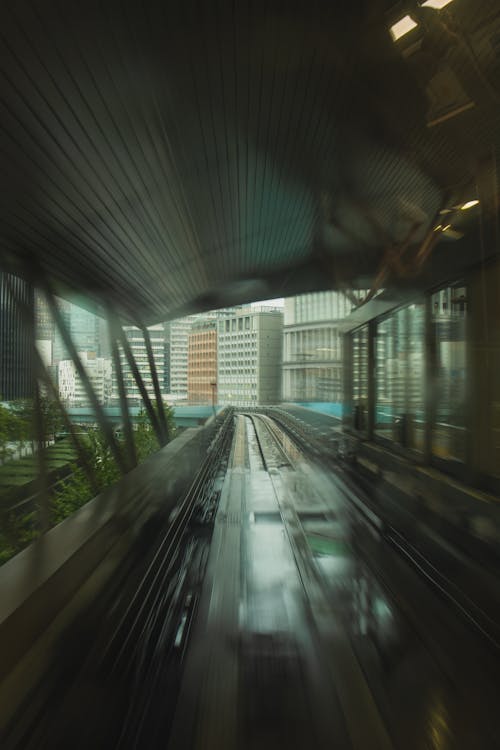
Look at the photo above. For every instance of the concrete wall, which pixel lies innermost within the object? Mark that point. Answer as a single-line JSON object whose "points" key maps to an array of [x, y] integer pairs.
{"points": [[484, 369]]}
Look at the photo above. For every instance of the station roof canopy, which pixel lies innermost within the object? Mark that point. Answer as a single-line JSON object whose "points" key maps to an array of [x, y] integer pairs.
{"points": [[167, 157]]}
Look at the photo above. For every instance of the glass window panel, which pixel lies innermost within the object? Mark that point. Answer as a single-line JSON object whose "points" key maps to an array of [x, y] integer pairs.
{"points": [[415, 407], [384, 380], [449, 312], [399, 377], [360, 377]]}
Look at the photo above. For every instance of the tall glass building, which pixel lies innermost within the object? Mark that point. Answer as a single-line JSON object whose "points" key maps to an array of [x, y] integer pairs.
{"points": [[88, 331], [16, 340]]}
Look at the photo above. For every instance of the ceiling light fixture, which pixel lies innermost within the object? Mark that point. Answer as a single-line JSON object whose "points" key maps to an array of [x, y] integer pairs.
{"points": [[402, 27], [436, 4], [448, 226], [469, 204]]}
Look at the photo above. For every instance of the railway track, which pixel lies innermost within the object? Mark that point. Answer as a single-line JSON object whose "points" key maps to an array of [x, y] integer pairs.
{"points": [[464, 602], [454, 628], [138, 659]]}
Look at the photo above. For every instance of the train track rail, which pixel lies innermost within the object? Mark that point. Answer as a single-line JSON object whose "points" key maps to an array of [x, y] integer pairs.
{"points": [[137, 654], [476, 616]]}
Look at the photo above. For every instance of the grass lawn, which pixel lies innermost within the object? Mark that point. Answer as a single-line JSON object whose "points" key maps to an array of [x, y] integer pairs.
{"points": [[24, 470]]}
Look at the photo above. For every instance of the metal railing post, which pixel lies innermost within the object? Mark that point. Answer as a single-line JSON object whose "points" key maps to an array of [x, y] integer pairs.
{"points": [[113, 327], [140, 384], [98, 409], [43, 375]]}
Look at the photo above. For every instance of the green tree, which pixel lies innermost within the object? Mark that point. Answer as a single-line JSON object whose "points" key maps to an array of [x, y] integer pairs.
{"points": [[7, 429], [71, 494], [52, 418], [145, 438], [76, 490], [23, 411], [52, 421]]}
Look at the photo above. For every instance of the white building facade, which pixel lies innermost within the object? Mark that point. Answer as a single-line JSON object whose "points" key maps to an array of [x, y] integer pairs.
{"points": [[249, 355], [138, 346], [71, 388], [312, 347], [179, 338]]}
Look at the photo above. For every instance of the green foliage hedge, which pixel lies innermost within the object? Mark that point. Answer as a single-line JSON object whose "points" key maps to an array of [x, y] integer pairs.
{"points": [[72, 492]]}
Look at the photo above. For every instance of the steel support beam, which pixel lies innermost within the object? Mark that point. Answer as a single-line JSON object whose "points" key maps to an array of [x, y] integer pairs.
{"points": [[114, 327], [156, 384], [77, 443], [140, 384], [42, 374], [98, 410]]}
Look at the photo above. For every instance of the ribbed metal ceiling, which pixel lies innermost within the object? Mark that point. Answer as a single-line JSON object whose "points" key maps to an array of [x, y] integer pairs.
{"points": [[169, 156]]}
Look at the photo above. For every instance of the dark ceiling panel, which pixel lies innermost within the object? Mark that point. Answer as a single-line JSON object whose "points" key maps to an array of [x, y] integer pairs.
{"points": [[171, 156]]}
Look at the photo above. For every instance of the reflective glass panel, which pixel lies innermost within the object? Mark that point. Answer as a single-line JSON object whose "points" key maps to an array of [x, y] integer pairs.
{"points": [[399, 377], [449, 313], [360, 377]]}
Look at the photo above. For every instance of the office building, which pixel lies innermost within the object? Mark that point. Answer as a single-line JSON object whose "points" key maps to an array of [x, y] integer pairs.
{"points": [[202, 363], [249, 357], [59, 351], [166, 359], [88, 331], [16, 339], [71, 389], [44, 328], [138, 346], [179, 338]]}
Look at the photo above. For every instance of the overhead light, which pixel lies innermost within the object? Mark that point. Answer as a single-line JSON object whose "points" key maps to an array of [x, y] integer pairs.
{"points": [[402, 27], [445, 229], [445, 211], [452, 234], [436, 4], [469, 204], [439, 226]]}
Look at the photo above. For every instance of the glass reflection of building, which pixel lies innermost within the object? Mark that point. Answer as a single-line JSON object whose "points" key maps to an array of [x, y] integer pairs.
{"points": [[449, 312], [400, 376], [312, 347], [407, 361]]}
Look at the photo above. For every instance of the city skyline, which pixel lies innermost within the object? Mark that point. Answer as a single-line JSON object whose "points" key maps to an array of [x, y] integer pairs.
{"points": [[203, 372]]}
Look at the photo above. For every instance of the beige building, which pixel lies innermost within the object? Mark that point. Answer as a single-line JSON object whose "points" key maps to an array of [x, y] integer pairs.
{"points": [[202, 363], [249, 357]]}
